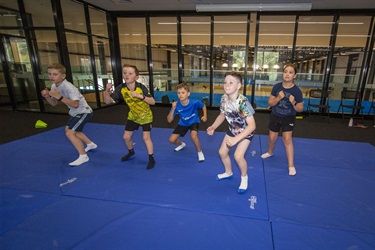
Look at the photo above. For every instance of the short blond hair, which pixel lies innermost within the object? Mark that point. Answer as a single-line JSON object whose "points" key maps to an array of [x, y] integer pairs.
{"points": [[183, 86], [57, 66]]}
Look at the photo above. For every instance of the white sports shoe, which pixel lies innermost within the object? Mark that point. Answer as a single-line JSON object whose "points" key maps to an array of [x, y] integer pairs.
{"points": [[200, 156], [180, 147]]}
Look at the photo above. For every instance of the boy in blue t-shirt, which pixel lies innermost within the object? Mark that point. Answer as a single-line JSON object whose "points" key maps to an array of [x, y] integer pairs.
{"points": [[189, 119]]}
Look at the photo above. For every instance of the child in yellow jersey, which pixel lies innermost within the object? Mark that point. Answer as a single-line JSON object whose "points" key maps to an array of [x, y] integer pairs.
{"points": [[138, 99]]}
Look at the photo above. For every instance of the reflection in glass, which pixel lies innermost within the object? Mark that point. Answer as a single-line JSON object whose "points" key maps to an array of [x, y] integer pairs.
{"points": [[195, 37], [98, 22], [74, 16], [229, 49], [133, 41], [41, 13], [164, 56]]}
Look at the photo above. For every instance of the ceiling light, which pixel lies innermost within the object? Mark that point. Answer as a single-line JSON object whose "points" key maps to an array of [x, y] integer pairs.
{"points": [[254, 7]]}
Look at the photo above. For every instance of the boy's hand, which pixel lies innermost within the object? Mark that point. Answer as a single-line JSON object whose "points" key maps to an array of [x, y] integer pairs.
{"points": [[45, 93], [108, 86], [54, 93], [174, 105], [204, 118], [210, 130]]}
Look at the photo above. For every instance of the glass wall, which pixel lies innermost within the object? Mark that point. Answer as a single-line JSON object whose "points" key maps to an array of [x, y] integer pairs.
{"points": [[349, 59], [86, 56], [330, 49], [195, 39], [164, 57], [133, 45], [274, 49]]}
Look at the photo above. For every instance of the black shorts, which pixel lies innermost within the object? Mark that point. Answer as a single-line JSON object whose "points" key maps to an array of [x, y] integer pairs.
{"points": [[131, 126], [284, 123], [182, 130], [249, 137]]}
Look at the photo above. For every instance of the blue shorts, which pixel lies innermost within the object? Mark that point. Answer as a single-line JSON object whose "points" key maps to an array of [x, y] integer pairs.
{"points": [[77, 122]]}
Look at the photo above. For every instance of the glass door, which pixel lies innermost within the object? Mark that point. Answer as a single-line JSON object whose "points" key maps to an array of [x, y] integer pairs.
{"points": [[17, 84]]}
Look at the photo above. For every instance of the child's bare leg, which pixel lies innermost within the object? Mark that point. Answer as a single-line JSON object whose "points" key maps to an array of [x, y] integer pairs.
{"points": [[289, 149], [272, 138], [148, 142], [90, 145], [174, 139], [239, 156], [150, 149], [78, 145], [194, 138], [129, 145], [224, 155]]}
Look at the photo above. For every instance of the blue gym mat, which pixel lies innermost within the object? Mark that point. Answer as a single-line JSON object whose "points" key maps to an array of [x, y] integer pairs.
{"points": [[108, 204]]}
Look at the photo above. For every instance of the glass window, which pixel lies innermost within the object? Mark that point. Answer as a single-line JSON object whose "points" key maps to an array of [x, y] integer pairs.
{"points": [[102, 63], [164, 56], [41, 12], [98, 22], [10, 18], [352, 36], [275, 44], [229, 49], [133, 45], [74, 16], [195, 37], [80, 61]]}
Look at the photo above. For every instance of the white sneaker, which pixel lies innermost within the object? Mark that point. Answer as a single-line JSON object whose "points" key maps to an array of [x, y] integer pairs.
{"points": [[90, 146], [200, 156], [180, 147], [81, 159]]}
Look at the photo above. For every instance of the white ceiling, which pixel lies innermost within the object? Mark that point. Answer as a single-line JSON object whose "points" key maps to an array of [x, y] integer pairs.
{"points": [[169, 5]]}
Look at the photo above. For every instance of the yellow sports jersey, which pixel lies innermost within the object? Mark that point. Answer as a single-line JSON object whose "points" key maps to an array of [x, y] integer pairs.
{"points": [[139, 110]]}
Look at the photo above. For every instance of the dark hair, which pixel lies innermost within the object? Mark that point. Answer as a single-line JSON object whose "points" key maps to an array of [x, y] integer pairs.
{"points": [[235, 75], [126, 65], [291, 65]]}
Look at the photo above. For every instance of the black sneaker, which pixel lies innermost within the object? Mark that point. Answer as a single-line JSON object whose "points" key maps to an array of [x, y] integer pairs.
{"points": [[126, 157], [151, 163]]}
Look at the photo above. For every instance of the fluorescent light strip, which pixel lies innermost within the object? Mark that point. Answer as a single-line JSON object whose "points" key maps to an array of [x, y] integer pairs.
{"points": [[253, 7]]}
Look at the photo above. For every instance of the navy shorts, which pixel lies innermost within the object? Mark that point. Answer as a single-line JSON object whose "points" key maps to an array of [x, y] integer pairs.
{"points": [[77, 122], [131, 126], [284, 123], [182, 130]]}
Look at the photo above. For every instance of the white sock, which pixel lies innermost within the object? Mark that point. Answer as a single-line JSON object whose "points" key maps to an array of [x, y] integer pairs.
{"points": [[224, 175], [90, 146], [265, 155], [200, 156], [244, 182], [180, 147], [292, 171], [81, 159]]}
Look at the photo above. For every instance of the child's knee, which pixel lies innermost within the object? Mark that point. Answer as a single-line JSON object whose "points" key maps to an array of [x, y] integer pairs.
{"points": [[239, 157]]}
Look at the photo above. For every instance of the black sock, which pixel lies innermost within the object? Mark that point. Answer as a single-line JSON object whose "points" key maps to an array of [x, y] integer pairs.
{"points": [[151, 161], [126, 157]]}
